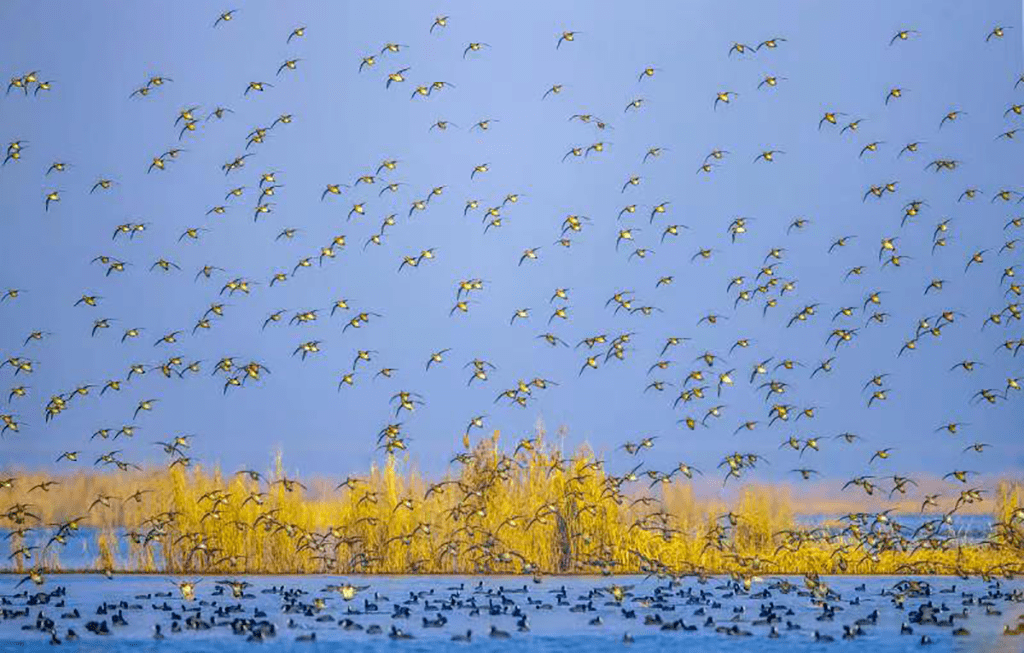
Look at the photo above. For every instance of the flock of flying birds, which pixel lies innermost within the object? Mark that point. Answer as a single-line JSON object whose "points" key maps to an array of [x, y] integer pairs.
{"points": [[696, 382]]}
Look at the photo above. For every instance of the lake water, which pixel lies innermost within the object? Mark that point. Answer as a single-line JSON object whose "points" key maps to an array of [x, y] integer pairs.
{"points": [[561, 613], [81, 551]]}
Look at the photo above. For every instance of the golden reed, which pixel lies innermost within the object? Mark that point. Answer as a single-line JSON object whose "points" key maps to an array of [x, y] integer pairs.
{"points": [[531, 512]]}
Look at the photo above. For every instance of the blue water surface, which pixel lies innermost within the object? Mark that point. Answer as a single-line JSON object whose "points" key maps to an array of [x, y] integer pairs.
{"points": [[561, 613]]}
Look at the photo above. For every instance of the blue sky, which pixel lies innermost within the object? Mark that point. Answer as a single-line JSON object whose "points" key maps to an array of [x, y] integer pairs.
{"points": [[836, 58]]}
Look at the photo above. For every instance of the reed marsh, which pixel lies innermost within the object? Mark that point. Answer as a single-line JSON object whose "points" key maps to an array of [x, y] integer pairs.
{"points": [[529, 511]]}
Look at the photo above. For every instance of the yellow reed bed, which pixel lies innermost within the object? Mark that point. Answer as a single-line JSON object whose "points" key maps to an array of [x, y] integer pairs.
{"points": [[531, 511]]}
